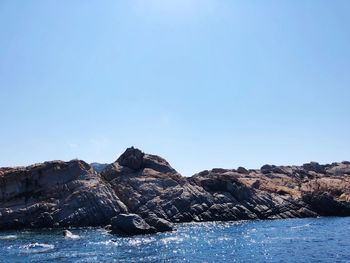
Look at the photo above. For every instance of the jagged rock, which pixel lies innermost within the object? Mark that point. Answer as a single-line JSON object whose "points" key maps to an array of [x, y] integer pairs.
{"points": [[44, 220], [62, 194], [324, 204], [314, 166], [131, 158], [219, 194], [55, 194], [130, 224], [267, 168]]}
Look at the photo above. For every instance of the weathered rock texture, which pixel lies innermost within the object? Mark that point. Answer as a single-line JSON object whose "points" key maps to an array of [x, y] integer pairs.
{"points": [[55, 194], [73, 194], [130, 224]]}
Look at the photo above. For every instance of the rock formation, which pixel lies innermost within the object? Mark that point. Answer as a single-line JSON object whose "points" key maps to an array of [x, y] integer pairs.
{"points": [[144, 194], [55, 194]]}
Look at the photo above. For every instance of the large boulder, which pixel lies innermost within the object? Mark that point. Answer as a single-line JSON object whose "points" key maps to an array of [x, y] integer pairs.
{"points": [[314, 166], [267, 168], [130, 224], [242, 170]]}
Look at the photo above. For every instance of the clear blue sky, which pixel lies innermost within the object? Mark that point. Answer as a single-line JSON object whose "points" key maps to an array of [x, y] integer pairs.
{"points": [[203, 83]]}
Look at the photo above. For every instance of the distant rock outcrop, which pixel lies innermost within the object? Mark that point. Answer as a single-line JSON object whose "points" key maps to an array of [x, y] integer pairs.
{"points": [[141, 193], [98, 167]]}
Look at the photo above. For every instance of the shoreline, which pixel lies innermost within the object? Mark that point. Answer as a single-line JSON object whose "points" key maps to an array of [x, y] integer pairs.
{"points": [[141, 193]]}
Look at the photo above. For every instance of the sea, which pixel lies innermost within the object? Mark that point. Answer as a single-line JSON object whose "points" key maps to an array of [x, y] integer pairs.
{"points": [[289, 240]]}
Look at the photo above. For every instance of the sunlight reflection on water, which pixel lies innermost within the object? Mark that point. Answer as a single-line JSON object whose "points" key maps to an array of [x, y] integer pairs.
{"points": [[296, 240]]}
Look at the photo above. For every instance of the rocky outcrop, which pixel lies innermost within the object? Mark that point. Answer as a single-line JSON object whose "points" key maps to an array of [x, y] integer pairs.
{"points": [[324, 204], [55, 194], [148, 184], [144, 194]]}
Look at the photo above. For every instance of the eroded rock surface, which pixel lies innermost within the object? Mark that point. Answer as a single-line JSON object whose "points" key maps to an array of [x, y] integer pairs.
{"points": [[73, 194], [148, 184], [55, 194]]}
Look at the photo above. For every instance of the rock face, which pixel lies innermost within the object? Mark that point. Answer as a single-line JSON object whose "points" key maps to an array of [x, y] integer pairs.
{"points": [[148, 184], [55, 194], [144, 194]]}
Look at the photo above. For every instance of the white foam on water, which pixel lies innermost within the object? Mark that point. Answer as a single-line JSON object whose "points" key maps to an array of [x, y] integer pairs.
{"points": [[72, 237], [301, 226], [134, 242], [106, 243], [37, 248], [8, 237]]}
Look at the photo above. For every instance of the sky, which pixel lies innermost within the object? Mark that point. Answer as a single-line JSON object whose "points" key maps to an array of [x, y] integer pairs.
{"points": [[202, 83]]}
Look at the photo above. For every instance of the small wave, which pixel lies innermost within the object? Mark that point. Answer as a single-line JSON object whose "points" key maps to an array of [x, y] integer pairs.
{"points": [[8, 237], [37, 248], [106, 243], [302, 226]]}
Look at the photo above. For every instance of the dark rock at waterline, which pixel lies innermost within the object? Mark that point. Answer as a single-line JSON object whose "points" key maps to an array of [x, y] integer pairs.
{"points": [[324, 204], [160, 224], [130, 224]]}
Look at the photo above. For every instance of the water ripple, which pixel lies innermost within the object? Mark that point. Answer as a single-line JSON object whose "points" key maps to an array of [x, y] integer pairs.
{"points": [[298, 240]]}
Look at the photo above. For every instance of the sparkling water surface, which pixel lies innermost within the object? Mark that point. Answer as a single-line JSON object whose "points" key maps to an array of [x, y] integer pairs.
{"points": [[291, 240]]}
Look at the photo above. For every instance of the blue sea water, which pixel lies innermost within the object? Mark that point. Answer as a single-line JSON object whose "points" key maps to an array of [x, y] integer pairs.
{"points": [[292, 240]]}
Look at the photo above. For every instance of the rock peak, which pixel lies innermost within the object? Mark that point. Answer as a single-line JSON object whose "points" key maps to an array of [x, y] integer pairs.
{"points": [[132, 158]]}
